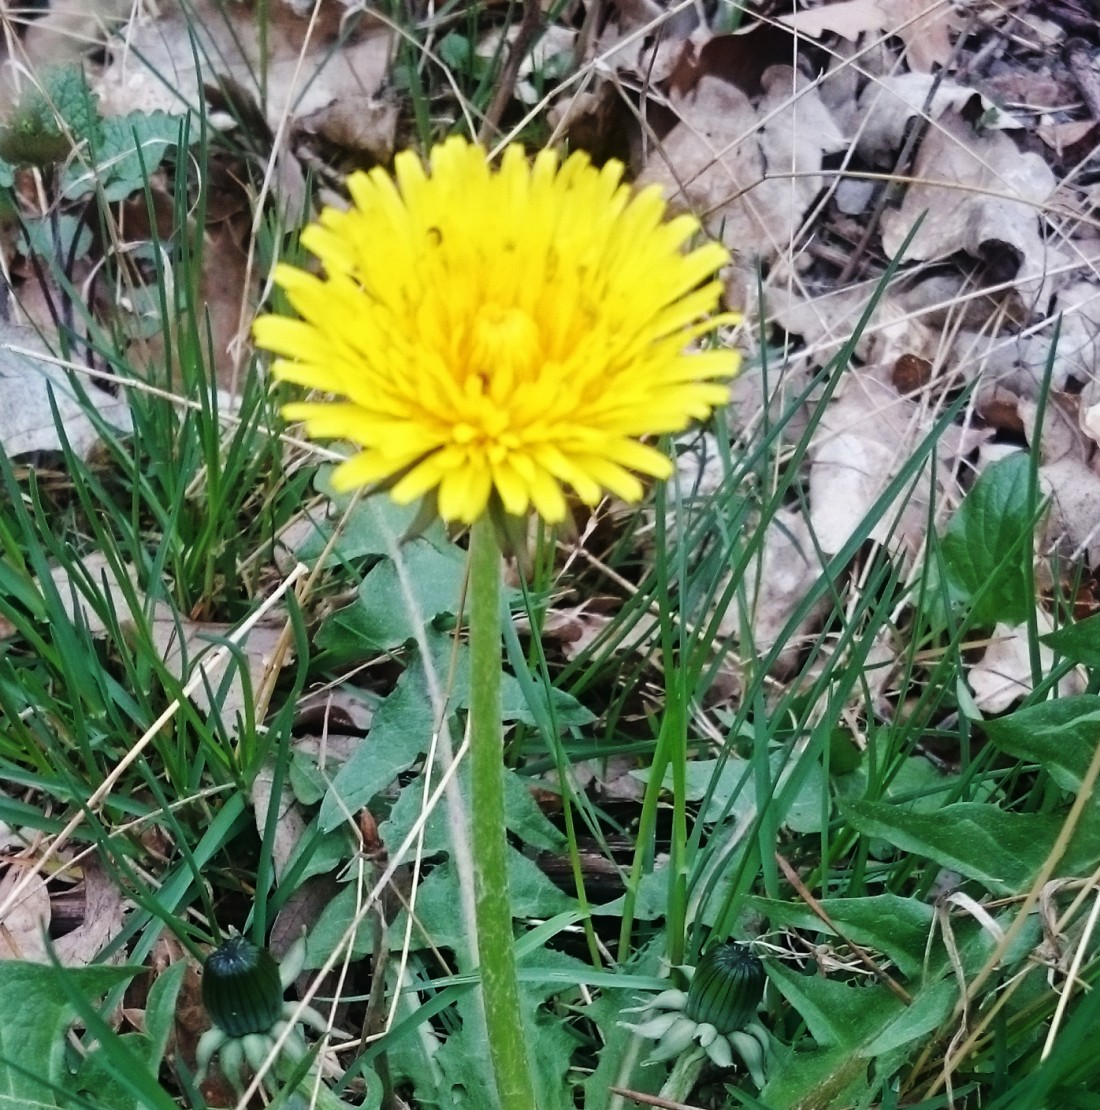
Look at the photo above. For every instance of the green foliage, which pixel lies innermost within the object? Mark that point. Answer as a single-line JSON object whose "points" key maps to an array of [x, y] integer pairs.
{"points": [[122, 1072], [125, 151], [54, 114], [1078, 641], [1057, 736], [1003, 851], [880, 802], [986, 549], [36, 1012]]}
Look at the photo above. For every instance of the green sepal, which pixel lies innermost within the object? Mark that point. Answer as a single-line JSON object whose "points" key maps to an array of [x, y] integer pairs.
{"points": [[726, 988], [241, 989]]}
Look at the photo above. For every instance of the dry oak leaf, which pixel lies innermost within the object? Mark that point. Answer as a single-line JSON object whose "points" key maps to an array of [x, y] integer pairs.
{"points": [[162, 62], [888, 103], [652, 39], [976, 193], [923, 25], [866, 435], [23, 931], [1003, 674], [27, 422], [1073, 522], [23, 928], [715, 160]]}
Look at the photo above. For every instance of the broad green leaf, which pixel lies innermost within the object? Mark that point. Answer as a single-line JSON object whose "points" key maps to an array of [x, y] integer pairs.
{"points": [[568, 712], [732, 780], [68, 93], [521, 814], [401, 730], [1079, 641], [852, 1025], [530, 894], [987, 546], [132, 148], [1059, 735], [734, 786], [816, 1077], [886, 922], [383, 615], [35, 1013], [929, 1009], [1003, 851], [836, 1012], [463, 1064], [160, 1011], [374, 526], [403, 725], [622, 1061]]}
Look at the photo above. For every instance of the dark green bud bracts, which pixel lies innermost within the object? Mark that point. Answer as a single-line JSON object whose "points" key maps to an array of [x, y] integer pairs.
{"points": [[241, 988], [726, 988]]}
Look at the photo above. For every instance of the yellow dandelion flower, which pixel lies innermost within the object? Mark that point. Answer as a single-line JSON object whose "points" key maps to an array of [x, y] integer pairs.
{"points": [[496, 334]]}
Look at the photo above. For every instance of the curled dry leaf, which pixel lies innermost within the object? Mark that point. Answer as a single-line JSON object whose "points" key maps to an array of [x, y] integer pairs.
{"points": [[866, 436], [647, 40], [1070, 350], [163, 62], [23, 930], [1003, 674], [104, 916], [924, 28], [1061, 436], [826, 321], [978, 193], [886, 106], [69, 28]]}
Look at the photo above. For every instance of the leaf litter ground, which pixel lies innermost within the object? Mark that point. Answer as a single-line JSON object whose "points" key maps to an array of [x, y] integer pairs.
{"points": [[871, 584]]}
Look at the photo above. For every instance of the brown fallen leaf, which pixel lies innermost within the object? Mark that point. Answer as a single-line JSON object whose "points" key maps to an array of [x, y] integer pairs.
{"points": [[29, 375], [923, 25], [1003, 674], [716, 159], [164, 60], [887, 104], [975, 192], [775, 584], [23, 929], [104, 916], [1073, 524]]}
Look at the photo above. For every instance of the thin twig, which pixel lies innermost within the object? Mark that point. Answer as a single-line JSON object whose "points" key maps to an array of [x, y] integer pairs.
{"points": [[818, 909], [521, 44]]}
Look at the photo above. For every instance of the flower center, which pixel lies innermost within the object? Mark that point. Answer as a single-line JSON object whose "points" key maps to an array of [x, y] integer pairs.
{"points": [[504, 344]]}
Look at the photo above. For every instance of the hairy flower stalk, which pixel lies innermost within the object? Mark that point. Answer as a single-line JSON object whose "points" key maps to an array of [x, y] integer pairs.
{"points": [[499, 339]]}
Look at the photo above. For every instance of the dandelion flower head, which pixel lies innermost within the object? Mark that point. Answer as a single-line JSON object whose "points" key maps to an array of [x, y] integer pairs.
{"points": [[494, 335]]}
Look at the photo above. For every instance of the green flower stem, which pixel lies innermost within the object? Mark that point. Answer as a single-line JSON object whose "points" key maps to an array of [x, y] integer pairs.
{"points": [[495, 940], [685, 1074]]}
